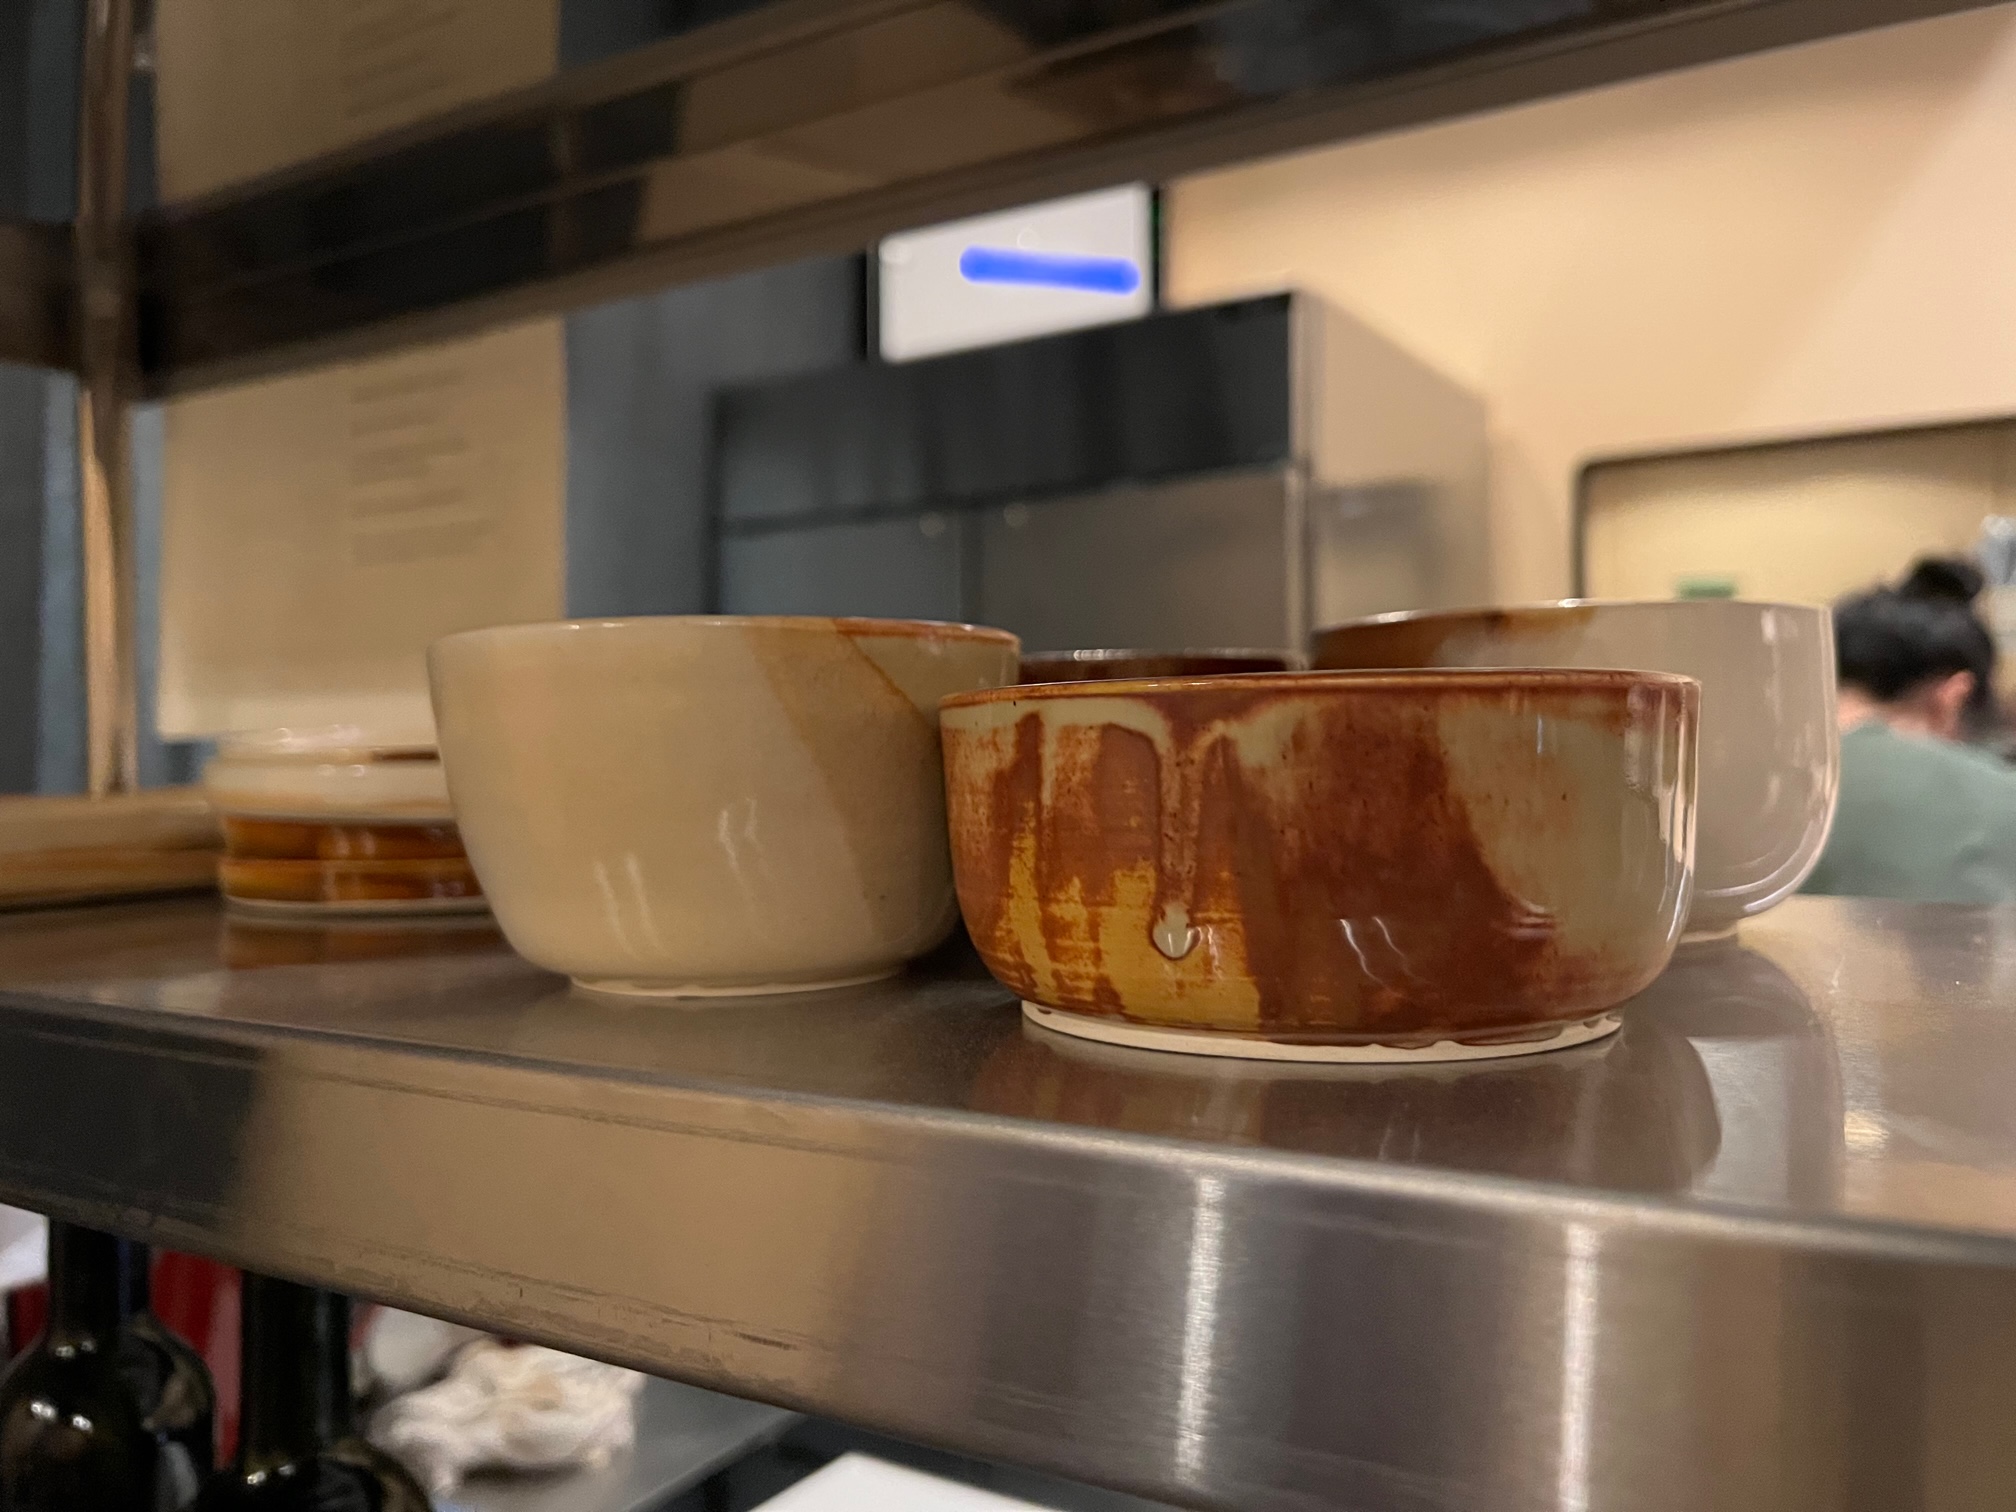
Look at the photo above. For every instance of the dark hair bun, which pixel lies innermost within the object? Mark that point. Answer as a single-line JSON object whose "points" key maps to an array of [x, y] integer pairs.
{"points": [[1892, 641], [1953, 579]]}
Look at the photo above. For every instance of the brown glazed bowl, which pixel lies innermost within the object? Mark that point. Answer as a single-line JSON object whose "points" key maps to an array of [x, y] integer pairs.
{"points": [[1335, 859], [1107, 666]]}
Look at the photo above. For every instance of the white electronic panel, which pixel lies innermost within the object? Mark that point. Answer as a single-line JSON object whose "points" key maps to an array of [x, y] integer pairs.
{"points": [[1057, 266]]}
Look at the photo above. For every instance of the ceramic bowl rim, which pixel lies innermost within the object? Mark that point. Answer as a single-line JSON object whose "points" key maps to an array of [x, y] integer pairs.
{"points": [[815, 624], [1097, 655], [1542, 607], [1339, 683]]}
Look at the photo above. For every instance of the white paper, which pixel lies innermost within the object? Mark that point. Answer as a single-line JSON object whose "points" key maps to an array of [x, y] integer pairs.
{"points": [[857, 1483], [321, 529]]}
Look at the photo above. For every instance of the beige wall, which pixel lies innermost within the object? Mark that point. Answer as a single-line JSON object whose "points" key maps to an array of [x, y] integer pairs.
{"points": [[1818, 239], [1801, 523]]}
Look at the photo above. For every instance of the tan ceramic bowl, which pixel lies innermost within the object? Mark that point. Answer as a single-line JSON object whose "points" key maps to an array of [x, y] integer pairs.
{"points": [[701, 806], [1770, 752], [1328, 859]]}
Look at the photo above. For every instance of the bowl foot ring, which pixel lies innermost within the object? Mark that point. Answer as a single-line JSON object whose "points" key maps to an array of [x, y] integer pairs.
{"points": [[1191, 1042], [627, 987]]}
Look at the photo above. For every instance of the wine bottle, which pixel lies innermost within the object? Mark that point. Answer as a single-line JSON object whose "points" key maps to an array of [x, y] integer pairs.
{"points": [[178, 1403], [72, 1437], [298, 1448]]}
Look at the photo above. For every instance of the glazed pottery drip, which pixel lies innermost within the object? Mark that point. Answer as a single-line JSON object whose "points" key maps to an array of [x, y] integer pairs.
{"points": [[1489, 859]]}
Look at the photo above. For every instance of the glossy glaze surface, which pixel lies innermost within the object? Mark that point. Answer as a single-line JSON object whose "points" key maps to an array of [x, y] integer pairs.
{"points": [[709, 805], [1390, 860], [1770, 753], [1776, 1213]]}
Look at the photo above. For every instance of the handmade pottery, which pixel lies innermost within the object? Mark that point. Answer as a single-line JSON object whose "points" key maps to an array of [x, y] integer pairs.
{"points": [[1350, 865], [695, 806], [1770, 751]]}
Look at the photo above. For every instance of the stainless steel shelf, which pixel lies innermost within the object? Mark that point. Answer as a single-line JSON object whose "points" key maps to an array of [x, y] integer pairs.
{"points": [[816, 126], [38, 295], [1758, 1251]]}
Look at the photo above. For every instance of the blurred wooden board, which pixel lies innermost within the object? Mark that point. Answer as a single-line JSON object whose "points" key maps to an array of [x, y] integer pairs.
{"points": [[71, 849]]}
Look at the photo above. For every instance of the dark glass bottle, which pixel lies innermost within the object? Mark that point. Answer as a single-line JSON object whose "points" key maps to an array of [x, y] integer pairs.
{"points": [[298, 1450], [71, 1432], [178, 1404]]}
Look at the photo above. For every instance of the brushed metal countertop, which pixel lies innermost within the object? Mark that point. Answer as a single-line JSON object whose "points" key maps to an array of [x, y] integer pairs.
{"points": [[1758, 1250]]}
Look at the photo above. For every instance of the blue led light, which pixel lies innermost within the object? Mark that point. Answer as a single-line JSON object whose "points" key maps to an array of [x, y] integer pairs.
{"points": [[1050, 270]]}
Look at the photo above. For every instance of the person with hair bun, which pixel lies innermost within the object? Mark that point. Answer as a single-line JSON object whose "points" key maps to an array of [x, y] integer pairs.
{"points": [[1924, 814]]}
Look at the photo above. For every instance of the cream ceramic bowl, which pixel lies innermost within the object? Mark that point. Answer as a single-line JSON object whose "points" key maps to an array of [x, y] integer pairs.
{"points": [[704, 806], [1323, 865], [1770, 751]]}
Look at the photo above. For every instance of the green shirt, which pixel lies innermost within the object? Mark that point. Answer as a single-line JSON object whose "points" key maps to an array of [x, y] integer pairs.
{"points": [[1919, 818]]}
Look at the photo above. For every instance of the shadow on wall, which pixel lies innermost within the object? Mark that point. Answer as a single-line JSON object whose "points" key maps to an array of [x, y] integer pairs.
{"points": [[641, 376]]}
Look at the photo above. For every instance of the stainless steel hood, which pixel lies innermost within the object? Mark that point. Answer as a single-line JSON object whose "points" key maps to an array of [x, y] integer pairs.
{"points": [[1230, 475]]}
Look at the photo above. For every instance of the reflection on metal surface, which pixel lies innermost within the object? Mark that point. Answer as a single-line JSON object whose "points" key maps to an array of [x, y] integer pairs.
{"points": [[247, 942], [1771, 1061], [1581, 1275], [243, 91], [1210, 476], [1200, 1325], [818, 125], [1653, 1273], [1633, 1113], [1195, 562]]}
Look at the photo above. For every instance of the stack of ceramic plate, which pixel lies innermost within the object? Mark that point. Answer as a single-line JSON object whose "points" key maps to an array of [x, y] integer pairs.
{"points": [[324, 823]]}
